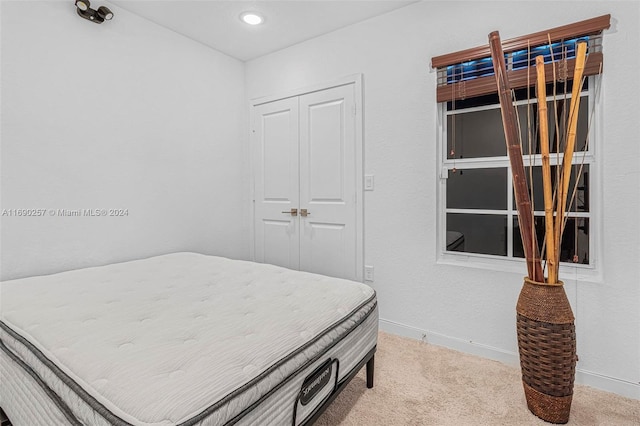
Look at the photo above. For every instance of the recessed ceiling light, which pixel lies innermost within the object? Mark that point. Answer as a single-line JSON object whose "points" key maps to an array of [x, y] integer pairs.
{"points": [[251, 18]]}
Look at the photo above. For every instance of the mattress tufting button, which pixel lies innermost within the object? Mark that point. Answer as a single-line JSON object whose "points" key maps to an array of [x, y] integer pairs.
{"points": [[250, 370], [100, 382], [176, 373]]}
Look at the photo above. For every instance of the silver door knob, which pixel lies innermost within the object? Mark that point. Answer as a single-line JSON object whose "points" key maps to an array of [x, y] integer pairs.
{"points": [[292, 212], [304, 213]]}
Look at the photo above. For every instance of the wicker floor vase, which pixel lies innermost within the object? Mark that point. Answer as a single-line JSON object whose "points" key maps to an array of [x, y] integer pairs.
{"points": [[547, 346]]}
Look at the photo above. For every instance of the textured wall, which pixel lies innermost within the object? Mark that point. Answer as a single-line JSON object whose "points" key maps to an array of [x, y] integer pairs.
{"points": [[155, 128], [120, 115], [469, 308]]}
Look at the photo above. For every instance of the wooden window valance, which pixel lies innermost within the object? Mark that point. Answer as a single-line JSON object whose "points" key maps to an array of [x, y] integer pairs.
{"points": [[469, 73]]}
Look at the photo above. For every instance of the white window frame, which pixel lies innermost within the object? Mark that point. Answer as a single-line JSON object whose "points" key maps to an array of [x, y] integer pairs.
{"points": [[568, 271]]}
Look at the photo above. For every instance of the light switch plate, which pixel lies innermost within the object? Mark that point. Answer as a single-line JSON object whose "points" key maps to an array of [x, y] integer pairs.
{"points": [[368, 182], [368, 273]]}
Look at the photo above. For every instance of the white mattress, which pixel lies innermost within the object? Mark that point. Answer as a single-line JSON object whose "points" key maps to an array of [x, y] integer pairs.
{"points": [[180, 339]]}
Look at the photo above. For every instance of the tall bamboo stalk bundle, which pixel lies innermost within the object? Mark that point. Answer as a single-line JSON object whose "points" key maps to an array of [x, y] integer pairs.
{"points": [[563, 186], [512, 137], [541, 93], [555, 211]]}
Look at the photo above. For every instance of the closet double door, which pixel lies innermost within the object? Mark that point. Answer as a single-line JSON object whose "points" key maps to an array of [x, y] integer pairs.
{"points": [[305, 180]]}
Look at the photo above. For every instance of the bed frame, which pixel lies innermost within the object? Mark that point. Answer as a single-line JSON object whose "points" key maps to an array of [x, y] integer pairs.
{"points": [[369, 360], [4, 421]]}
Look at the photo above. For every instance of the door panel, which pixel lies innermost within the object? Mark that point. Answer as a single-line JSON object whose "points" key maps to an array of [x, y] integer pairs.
{"points": [[277, 156], [326, 151], [328, 182], [326, 255], [276, 159], [277, 244]]}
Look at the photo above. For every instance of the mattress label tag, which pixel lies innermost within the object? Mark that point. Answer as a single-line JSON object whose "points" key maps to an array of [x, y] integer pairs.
{"points": [[316, 381]]}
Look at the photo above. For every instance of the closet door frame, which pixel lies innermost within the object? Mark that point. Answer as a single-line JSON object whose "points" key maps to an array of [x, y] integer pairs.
{"points": [[356, 80]]}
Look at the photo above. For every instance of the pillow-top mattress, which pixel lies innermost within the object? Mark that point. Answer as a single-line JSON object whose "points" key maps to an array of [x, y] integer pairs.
{"points": [[181, 339]]}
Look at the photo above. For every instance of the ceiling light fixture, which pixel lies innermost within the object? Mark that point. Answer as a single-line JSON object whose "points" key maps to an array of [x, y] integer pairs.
{"points": [[98, 16], [251, 18]]}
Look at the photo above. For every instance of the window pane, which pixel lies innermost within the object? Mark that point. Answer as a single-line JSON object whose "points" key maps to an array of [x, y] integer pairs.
{"points": [[481, 134], [575, 240], [528, 117], [475, 134], [477, 189], [581, 199], [477, 233]]}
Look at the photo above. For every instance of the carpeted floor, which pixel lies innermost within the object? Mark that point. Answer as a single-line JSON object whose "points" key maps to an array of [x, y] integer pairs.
{"points": [[421, 384]]}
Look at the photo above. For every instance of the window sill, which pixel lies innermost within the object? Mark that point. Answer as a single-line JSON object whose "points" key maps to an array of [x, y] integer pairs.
{"points": [[568, 272]]}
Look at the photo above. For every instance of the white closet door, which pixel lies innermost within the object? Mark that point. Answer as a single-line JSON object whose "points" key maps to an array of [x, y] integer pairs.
{"points": [[328, 182], [276, 159]]}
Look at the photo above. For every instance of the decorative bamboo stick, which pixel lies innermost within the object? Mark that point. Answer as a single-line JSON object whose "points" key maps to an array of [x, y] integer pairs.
{"points": [[512, 137], [541, 92], [571, 140]]}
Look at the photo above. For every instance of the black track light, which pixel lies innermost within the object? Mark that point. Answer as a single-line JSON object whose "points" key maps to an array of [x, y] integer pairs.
{"points": [[83, 5], [98, 16], [105, 13]]}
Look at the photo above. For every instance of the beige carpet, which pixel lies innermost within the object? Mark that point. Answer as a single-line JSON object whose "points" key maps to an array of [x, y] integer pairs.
{"points": [[421, 384]]}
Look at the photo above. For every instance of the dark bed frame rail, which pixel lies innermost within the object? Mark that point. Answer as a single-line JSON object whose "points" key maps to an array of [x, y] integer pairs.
{"points": [[369, 360], [4, 421]]}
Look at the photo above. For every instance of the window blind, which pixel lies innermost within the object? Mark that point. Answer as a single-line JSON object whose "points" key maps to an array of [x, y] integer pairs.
{"points": [[469, 73]]}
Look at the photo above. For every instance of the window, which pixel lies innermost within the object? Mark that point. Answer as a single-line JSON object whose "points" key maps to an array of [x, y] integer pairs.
{"points": [[477, 212], [480, 211]]}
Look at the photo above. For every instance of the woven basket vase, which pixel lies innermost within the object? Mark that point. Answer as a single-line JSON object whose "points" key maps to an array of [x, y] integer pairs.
{"points": [[547, 346]]}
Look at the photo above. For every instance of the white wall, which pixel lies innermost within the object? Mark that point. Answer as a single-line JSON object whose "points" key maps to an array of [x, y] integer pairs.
{"points": [[466, 308], [120, 115], [155, 129]]}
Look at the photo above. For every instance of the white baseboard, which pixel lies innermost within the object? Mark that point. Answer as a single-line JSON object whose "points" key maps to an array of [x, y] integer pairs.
{"points": [[608, 383], [583, 377]]}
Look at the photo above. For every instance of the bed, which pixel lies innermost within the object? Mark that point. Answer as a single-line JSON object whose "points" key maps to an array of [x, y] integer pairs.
{"points": [[181, 339]]}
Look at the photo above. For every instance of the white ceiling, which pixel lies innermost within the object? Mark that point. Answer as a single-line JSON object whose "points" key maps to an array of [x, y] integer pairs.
{"points": [[217, 24]]}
